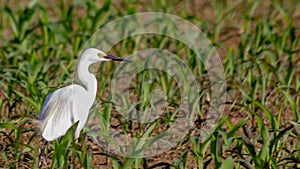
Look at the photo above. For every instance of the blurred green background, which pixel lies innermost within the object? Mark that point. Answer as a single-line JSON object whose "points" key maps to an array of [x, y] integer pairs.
{"points": [[258, 43]]}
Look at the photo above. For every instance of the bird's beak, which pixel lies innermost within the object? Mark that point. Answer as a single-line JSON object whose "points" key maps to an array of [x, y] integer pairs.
{"points": [[115, 58]]}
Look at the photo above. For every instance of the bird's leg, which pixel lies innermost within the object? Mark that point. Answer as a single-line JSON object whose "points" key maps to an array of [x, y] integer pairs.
{"points": [[41, 156]]}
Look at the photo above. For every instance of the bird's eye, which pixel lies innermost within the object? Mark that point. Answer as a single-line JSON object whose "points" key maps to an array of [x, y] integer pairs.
{"points": [[101, 55]]}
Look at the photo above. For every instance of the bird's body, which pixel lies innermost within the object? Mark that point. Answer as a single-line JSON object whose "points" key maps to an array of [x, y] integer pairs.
{"points": [[67, 105]]}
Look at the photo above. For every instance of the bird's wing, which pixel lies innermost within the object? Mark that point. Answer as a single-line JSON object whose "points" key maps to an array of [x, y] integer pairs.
{"points": [[58, 113], [43, 114]]}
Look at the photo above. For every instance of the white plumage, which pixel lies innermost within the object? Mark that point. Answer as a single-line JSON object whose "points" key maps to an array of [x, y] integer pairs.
{"points": [[67, 105]]}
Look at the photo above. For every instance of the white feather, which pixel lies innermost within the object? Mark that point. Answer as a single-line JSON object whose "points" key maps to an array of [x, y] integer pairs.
{"points": [[65, 106], [59, 111]]}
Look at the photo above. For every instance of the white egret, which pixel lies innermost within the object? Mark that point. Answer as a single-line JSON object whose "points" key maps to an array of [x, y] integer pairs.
{"points": [[65, 106]]}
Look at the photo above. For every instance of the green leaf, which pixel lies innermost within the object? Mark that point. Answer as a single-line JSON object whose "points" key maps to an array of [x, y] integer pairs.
{"points": [[7, 126], [235, 128], [266, 111], [62, 148], [293, 104], [296, 125], [228, 163], [13, 22]]}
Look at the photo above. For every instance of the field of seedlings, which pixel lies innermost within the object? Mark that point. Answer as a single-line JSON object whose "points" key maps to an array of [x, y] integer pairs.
{"points": [[258, 47]]}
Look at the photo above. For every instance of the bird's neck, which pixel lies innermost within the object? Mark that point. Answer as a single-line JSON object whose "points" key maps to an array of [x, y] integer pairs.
{"points": [[88, 79]]}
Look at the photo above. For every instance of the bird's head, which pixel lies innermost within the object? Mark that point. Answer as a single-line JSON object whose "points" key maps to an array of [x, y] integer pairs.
{"points": [[96, 55]]}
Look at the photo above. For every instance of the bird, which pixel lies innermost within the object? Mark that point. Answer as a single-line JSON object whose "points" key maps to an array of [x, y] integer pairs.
{"points": [[68, 105]]}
